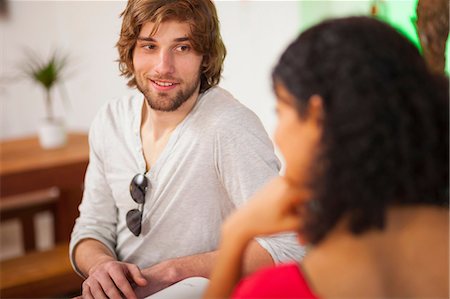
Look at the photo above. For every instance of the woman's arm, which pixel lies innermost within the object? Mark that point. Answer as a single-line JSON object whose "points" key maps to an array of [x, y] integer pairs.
{"points": [[272, 210]]}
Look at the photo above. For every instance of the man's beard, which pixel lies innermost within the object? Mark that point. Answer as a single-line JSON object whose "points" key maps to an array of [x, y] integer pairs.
{"points": [[163, 102]]}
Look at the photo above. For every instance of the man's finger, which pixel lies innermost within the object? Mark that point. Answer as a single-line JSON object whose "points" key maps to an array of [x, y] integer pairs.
{"points": [[97, 290], [86, 294], [110, 288], [136, 275], [123, 285]]}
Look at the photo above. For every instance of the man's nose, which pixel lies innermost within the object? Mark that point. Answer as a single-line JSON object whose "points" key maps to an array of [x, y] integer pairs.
{"points": [[165, 63]]}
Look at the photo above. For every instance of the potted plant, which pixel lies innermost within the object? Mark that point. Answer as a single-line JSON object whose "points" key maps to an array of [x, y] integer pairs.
{"points": [[48, 73]]}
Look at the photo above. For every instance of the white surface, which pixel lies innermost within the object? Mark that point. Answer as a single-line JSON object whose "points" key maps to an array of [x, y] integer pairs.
{"points": [[190, 288]]}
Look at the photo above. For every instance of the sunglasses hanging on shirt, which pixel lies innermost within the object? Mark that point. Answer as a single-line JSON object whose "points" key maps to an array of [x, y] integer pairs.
{"points": [[138, 188]]}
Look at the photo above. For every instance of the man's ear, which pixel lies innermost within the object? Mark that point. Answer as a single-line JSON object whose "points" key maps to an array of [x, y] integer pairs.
{"points": [[130, 65], [204, 62]]}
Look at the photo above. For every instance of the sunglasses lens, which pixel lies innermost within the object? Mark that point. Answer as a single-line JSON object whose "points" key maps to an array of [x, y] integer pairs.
{"points": [[134, 218], [138, 187]]}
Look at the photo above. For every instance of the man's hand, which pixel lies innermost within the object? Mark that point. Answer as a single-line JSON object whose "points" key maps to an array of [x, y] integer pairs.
{"points": [[166, 273], [159, 277], [113, 279]]}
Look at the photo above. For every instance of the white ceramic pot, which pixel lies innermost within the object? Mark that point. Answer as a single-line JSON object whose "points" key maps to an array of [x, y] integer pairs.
{"points": [[52, 134]]}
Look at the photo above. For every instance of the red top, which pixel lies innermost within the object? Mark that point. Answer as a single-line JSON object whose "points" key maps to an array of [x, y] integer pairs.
{"points": [[283, 281]]}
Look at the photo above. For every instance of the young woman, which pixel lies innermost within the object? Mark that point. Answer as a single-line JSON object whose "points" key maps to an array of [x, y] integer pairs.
{"points": [[363, 128]]}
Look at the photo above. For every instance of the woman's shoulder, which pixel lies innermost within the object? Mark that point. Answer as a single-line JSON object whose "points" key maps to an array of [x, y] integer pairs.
{"points": [[377, 259], [282, 281]]}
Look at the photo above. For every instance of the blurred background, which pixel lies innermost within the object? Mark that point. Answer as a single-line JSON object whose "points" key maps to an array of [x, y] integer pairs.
{"points": [[255, 33], [85, 32]]}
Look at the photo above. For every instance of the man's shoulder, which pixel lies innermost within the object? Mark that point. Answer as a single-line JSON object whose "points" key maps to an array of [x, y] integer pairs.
{"points": [[120, 108], [117, 114], [122, 105], [222, 101], [223, 109]]}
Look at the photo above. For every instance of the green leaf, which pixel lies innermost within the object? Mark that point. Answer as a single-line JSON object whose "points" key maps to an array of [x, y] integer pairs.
{"points": [[45, 72]]}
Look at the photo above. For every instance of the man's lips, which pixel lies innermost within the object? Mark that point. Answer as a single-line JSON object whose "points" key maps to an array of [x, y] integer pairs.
{"points": [[163, 85]]}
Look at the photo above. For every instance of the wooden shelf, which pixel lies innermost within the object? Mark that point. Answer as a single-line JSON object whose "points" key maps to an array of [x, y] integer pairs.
{"points": [[26, 167], [25, 154]]}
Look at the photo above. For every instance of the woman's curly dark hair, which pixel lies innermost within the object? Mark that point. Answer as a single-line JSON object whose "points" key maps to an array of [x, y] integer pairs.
{"points": [[385, 128]]}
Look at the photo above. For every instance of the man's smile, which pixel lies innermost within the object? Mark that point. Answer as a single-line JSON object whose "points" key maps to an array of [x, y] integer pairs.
{"points": [[163, 85]]}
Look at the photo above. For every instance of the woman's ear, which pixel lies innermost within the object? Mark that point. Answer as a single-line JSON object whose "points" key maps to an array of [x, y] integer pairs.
{"points": [[315, 110]]}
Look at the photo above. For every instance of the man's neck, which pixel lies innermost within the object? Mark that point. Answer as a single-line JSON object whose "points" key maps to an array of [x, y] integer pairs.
{"points": [[160, 123]]}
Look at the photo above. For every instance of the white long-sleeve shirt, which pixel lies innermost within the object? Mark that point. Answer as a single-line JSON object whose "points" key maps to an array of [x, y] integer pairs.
{"points": [[215, 159]]}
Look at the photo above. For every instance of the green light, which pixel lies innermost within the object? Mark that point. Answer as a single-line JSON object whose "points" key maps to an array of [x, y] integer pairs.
{"points": [[400, 14]]}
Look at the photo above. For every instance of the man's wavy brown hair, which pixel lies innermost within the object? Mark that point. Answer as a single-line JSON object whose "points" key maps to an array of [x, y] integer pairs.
{"points": [[205, 33]]}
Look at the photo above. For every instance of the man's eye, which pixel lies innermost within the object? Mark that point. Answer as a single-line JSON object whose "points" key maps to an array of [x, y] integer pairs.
{"points": [[182, 48], [149, 47]]}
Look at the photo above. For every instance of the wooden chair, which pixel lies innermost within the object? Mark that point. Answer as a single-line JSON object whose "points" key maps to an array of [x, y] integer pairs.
{"points": [[24, 208], [37, 274]]}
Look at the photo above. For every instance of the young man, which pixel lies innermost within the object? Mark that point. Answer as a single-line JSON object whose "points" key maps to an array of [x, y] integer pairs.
{"points": [[191, 151]]}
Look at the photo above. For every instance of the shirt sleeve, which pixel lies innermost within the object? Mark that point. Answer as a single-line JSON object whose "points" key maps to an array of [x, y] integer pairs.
{"points": [[245, 162], [283, 247], [98, 212]]}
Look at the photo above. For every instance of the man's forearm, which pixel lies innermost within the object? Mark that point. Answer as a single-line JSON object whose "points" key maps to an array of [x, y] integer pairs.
{"points": [[105, 276], [201, 265], [171, 271], [90, 253]]}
